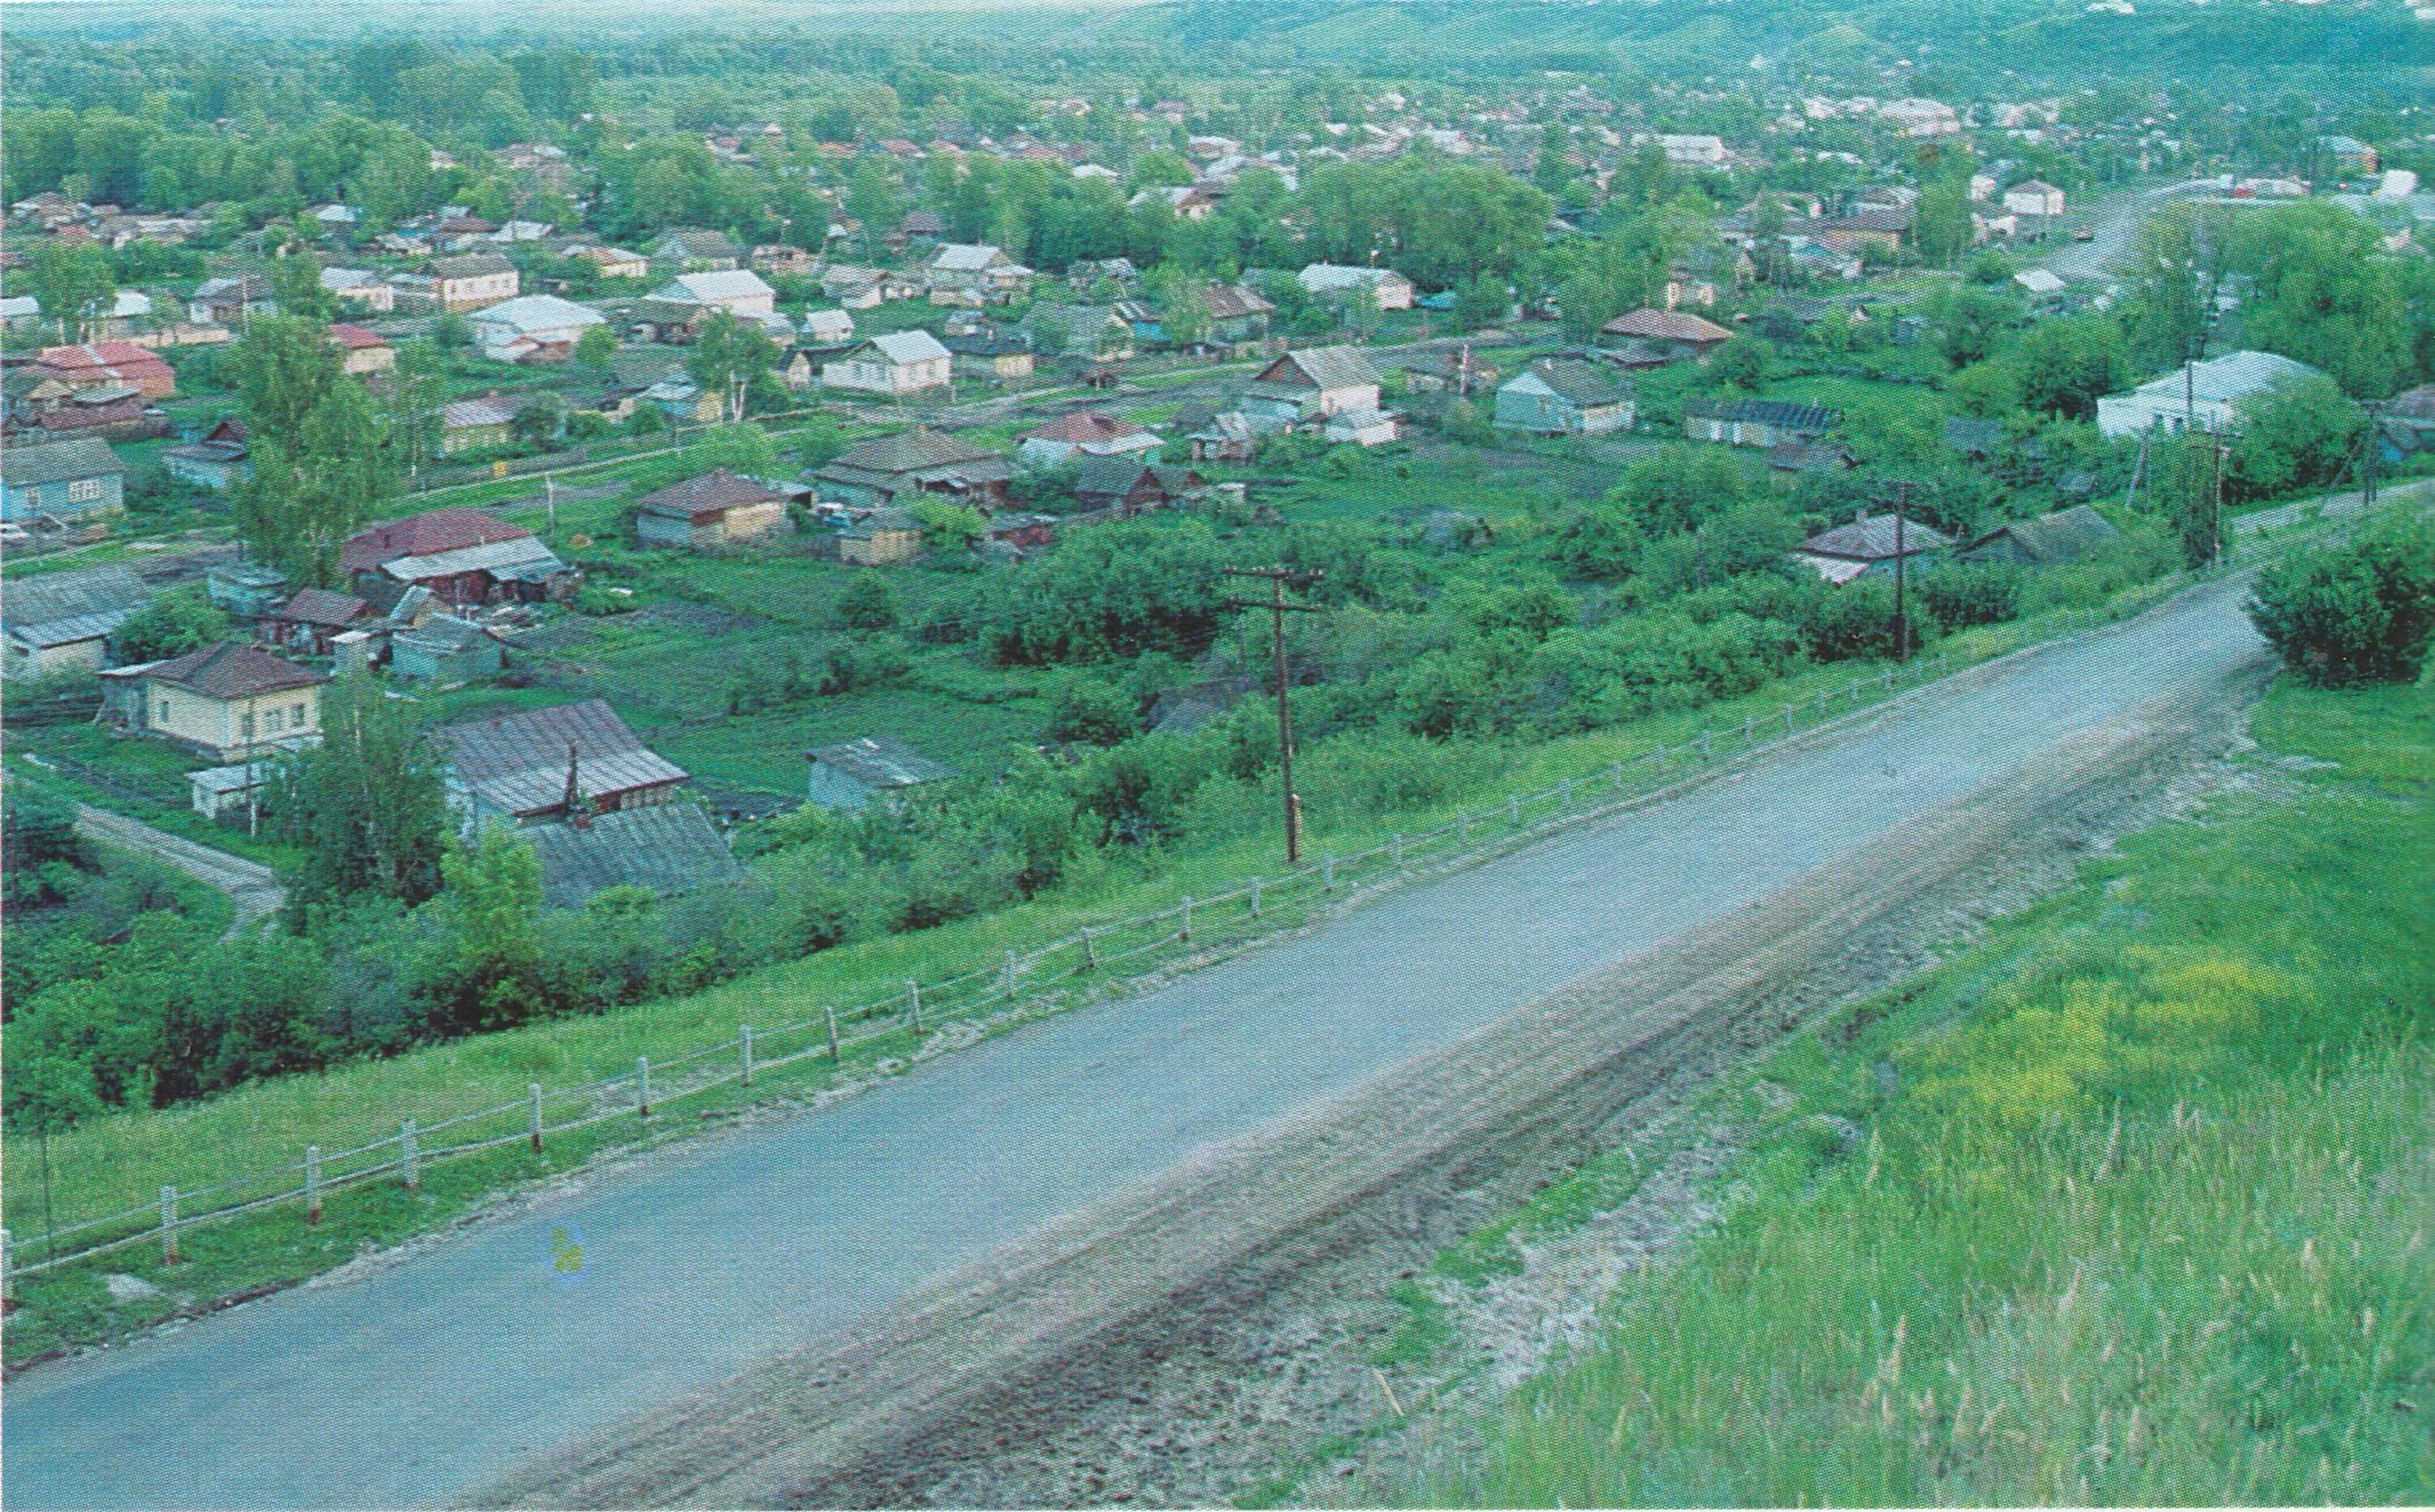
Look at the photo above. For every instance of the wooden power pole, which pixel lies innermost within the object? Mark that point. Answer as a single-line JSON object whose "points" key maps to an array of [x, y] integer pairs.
{"points": [[1278, 579]]}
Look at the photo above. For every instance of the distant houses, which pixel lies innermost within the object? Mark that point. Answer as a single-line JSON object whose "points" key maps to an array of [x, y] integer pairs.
{"points": [[1381, 288], [1871, 544], [463, 557], [1083, 432], [1308, 385], [533, 328], [1667, 334], [2048, 541], [900, 468]]}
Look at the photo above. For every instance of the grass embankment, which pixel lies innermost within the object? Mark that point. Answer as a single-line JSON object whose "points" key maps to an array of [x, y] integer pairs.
{"points": [[2142, 1207], [123, 1160]]}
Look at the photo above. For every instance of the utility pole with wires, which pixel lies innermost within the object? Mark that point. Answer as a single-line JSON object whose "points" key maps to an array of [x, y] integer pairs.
{"points": [[1279, 580], [1901, 503]]}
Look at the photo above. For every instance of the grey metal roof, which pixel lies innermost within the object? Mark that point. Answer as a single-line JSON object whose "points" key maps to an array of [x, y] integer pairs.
{"points": [[517, 761], [1873, 539], [520, 557], [1321, 367], [882, 762], [2236, 375], [48, 596], [2065, 535], [69, 630], [670, 848], [87, 456]]}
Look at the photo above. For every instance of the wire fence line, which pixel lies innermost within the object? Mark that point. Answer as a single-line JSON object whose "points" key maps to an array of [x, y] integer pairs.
{"points": [[1191, 925]]}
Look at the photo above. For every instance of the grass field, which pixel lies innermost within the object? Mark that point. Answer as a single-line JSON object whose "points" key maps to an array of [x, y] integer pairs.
{"points": [[2139, 1210]]}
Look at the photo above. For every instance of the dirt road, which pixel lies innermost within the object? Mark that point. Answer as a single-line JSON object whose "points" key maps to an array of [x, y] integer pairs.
{"points": [[424, 1381], [251, 886]]}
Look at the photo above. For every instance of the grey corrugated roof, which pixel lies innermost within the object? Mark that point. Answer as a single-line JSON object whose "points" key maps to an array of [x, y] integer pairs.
{"points": [[87, 456], [2065, 535], [28, 601], [1873, 539], [1578, 381], [69, 630], [517, 761], [520, 557], [1324, 368], [1784, 413], [882, 762], [670, 848]]}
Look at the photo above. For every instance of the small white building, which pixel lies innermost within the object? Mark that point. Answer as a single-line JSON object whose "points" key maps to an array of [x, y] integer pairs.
{"points": [[532, 328], [2206, 395], [2034, 197], [739, 291], [827, 328], [899, 363], [360, 289], [1385, 288]]}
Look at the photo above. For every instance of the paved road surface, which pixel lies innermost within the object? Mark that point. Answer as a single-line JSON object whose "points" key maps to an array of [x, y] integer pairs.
{"points": [[430, 1377], [250, 886], [2099, 260]]}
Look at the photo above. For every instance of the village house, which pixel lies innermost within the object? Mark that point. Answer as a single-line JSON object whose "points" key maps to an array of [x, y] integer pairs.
{"points": [[898, 364], [2034, 197], [1183, 201], [75, 479], [1309, 386], [445, 651], [61, 621], [1670, 334], [899, 468], [827, 329], [525, 765], [108, 365], [880, 538], [359, 290], [613, 262], [1873, 543], [668, 849], [1225, 437], [1760, 423], [310, 620], [716, 510], [1127, 486], [967, 273], [2205, 396], [2048, 541], [219, 459], [1083, 432], [1363, 427], [852, 774], [362, 352], [462, 555], [476, 424], [1565, 397], [1235, 319], [533, 328], [472, 281], [739, 291], [232, 301], [1336, 283], [231, 701], [697, 251], [1093, 331], [997, 356], [779, 260]]}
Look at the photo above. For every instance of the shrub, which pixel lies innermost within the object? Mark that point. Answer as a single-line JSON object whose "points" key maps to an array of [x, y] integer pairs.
{"points": [[2353, 614], [1969, 595]]}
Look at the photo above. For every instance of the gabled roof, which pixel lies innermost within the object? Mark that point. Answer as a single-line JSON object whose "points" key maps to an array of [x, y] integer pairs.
{"points": [[1785, 414], [908, 346], [536, 312], [2065, 535], [355, 337], [1872, 538], [87, 456], [967, 257], [318, 605], [882, 762], [668, 847], [909, 451], [474, 265], [233, 670], [1323, 368], [516, 761], [467, 414], [712, 493], [704, 244], [2233, 376], [424, 535], [709, 289], [1575, 381], [36, 600], [1665, 325], [1231, 302], [1082, 428]]}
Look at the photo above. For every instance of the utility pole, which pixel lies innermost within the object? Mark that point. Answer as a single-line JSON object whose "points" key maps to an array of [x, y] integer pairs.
{"points": [[1902, 568], [1278, 579]]}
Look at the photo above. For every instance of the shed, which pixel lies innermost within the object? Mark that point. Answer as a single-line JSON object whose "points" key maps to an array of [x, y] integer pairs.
{"points": [[669, 848], [719, 509], [447, 652], [2066, 535], [1871, 544], [850, 774]]}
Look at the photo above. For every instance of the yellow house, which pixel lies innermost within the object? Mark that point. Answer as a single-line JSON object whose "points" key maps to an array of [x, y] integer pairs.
{"points": [[231, 701]]}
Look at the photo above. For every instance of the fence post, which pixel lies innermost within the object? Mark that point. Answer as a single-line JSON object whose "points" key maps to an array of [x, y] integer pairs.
{"points": [[1750, 727], [1788, 719], [914, 996], [169, 1225], [830, 1014], [1513, 810], [1327, 873], [1183, 931], [1009, 975], [1565, 795], [8, 1273], [745, 1038], [410, 1159], [532, 1088], [1707, 747], [1399, 850], [312, 1183], [1661, 757], [1614, 776], [642, 1086], [1090, 951], [1255, 897]]}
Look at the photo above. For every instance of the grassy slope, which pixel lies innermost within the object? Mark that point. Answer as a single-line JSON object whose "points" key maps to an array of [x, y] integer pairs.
{"points": [[2144, 1217]]}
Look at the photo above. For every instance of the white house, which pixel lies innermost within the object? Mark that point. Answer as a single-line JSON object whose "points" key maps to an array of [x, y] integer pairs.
{"points": [[2034, 197], [360, 289], [2206, 395], [739, 291], [532, 328], [974, 273], [827, 328], [1386, 288], [899, 363]]}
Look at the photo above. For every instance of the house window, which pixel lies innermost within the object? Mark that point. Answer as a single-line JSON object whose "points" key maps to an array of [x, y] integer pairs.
{"points": [[85, 491]]}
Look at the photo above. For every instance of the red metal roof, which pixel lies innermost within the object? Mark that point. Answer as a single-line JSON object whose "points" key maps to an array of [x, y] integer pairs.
{"points": [[421, 535]]}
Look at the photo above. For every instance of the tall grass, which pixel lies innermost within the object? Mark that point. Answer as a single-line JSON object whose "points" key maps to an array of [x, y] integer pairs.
{"points": [[2148, 1216]]}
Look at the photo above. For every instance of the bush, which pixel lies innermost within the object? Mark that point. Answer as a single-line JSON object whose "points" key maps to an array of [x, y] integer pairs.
{"points": [[1967, 594], [2347, 615]]}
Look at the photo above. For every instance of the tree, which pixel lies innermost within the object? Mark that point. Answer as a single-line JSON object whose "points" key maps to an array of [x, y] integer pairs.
{"points": [[171, 624], [2296, 434], [1090, 712], [2359, 613], [450, 332], [948, 525], [596, 348], [868, 602], [1941, 224], [296, 283], [727, 356], [493, 899], [2063, 366], [368, 806], [1741, 363], [538, 422], [320, 456], [73, 282]]}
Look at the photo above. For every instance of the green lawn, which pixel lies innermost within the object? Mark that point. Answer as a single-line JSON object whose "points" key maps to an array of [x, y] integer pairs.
{"points": [[2136, 1211]]}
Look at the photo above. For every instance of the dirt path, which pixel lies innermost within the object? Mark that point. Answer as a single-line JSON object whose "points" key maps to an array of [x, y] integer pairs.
{"points": [[251, 886], [1149, 1347]]}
